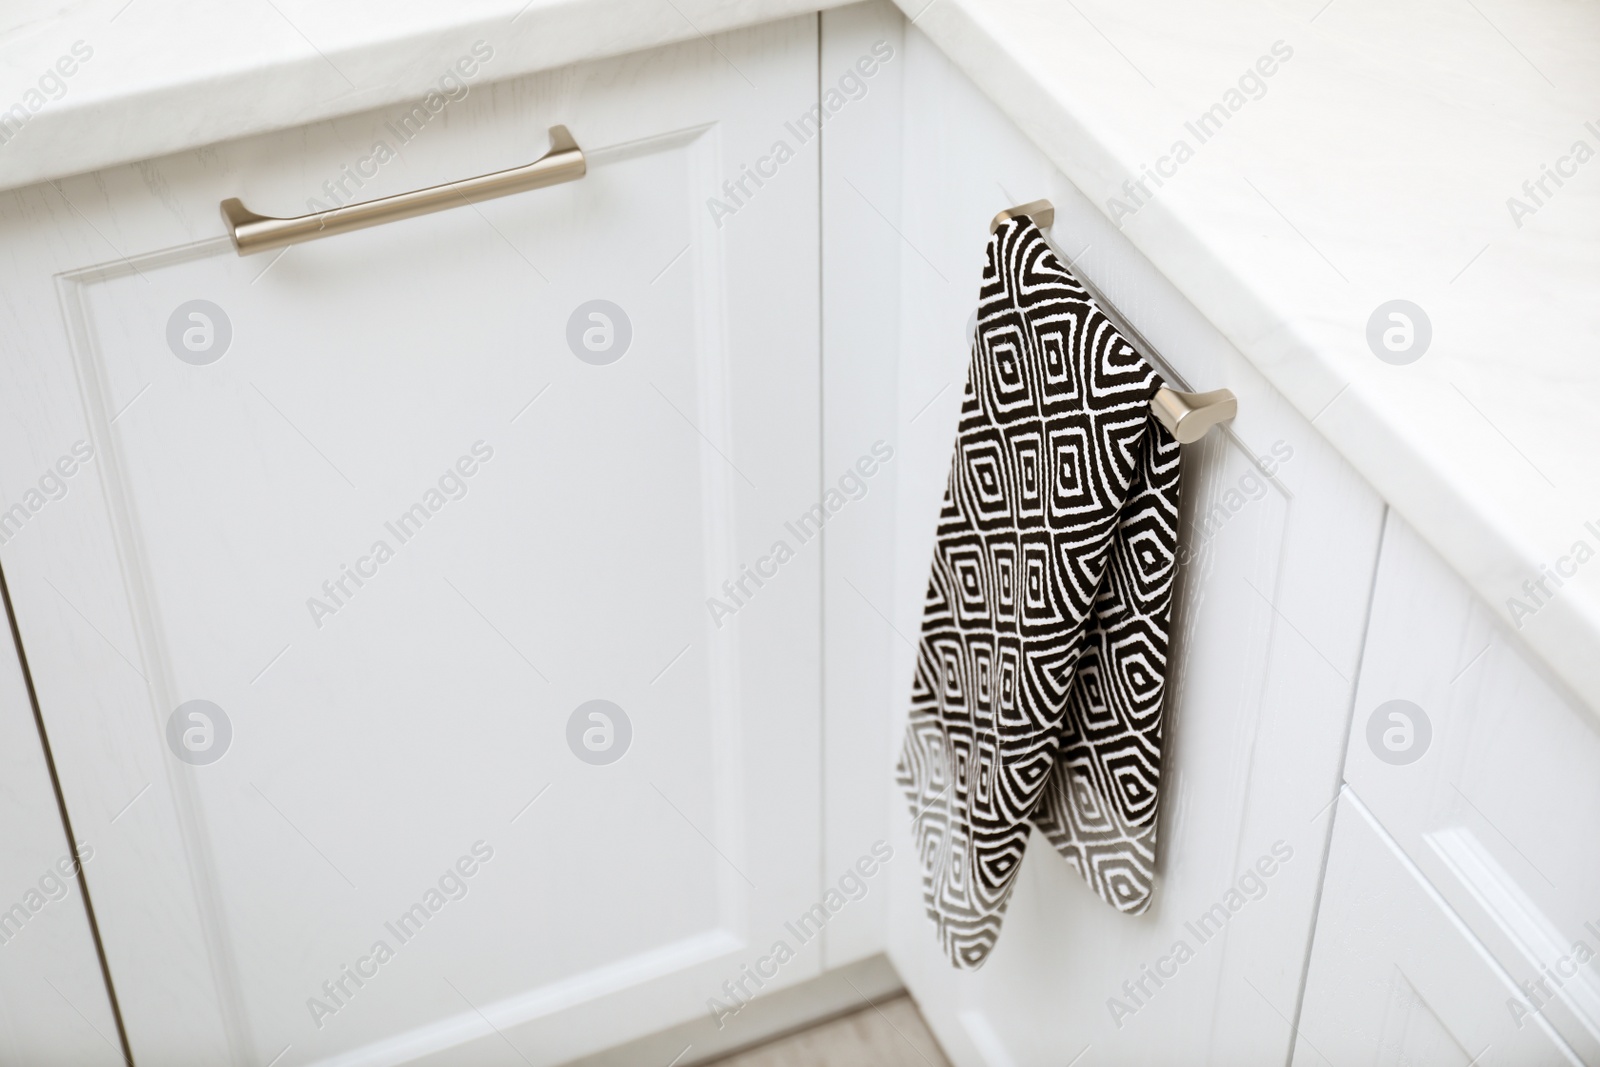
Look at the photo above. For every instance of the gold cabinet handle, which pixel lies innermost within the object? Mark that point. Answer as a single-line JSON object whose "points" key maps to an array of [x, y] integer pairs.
{"points": [[1187, 416], [1042, 212], [564, 162]]}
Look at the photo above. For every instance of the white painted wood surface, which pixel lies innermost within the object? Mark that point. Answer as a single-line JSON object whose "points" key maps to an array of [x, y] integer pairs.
{"points": [[425, 721], [1494, 794], [1396, 977], [802, 345], [1267, 638], [860, 354], [53, 1003]]}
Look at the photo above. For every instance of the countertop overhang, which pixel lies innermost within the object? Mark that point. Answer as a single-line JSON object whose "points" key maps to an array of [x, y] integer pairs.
{"points": [[167, 75]]}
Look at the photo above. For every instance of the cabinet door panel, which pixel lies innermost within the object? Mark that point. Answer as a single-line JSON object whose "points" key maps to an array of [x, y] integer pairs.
{"points": [[1280, 538], [1396, 977], [1488, 776], [53, 1003], [424, 507]]}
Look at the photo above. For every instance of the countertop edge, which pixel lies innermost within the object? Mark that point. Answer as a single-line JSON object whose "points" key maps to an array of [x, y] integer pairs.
{"points": [[112, 129]]}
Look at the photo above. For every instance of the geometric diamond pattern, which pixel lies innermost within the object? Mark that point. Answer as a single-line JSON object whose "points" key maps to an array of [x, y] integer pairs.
{"points": [[1042, 661]]}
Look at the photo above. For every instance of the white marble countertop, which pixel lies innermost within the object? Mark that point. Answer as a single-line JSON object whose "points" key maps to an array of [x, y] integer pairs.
{"points": [[165, 75], [1373, 163]]}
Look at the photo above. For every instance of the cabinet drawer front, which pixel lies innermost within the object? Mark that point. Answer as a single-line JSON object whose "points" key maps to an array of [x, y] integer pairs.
{"points": [[367, 525], [1487, 777], [1395, 975]]}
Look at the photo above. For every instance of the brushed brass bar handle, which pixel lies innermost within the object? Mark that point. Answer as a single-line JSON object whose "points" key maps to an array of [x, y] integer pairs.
{"points": [[564, 162], [1188, 416], [1042, 212]]}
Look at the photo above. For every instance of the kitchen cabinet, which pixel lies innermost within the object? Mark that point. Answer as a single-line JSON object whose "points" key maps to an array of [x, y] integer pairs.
{"points": [[1480, 773], [1281, 538], [374, 626], [487, 637], [1351, 706], [1396, 978], [54, 1007]]}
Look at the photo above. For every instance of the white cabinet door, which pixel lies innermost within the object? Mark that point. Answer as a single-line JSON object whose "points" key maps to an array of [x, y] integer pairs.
{"points": [[1488, 776], [401, 503], [1280, 541], [1396, 977], [54, 1008]]}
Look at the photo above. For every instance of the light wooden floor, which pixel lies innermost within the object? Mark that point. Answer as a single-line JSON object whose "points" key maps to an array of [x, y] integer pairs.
{"points": [[891, 1034]]}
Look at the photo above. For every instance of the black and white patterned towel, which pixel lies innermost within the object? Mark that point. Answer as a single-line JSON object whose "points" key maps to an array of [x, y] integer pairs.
{"points": [[1043, 656]]}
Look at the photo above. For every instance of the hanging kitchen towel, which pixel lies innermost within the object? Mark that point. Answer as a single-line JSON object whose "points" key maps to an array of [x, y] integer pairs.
{"points": [[1043, 656]]}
